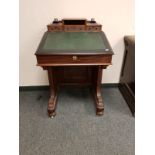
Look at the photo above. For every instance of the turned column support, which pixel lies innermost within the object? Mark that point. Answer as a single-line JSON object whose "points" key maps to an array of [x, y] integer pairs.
{"points": [[53, 93], [97, 91]]}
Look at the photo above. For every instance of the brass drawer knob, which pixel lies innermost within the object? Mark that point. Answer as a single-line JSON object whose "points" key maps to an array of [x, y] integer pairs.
{"points": [[74, 57]]}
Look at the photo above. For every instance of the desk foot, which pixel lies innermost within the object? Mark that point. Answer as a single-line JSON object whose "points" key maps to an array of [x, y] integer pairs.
{"points": [[51, 114], [99, 112]]}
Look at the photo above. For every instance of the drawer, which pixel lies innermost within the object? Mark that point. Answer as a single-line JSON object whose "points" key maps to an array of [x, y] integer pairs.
{"points": [[71, 28], [93, 28], [56, 60], [55, 28]]}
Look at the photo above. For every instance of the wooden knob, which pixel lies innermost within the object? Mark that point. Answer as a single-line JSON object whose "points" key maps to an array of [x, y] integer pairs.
{"points": [[75, 57]]}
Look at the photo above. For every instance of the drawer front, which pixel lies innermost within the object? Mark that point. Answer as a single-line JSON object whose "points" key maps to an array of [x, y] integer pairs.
{"points": [[54, 28], [48, 60], [71, 28], [94, 28]]}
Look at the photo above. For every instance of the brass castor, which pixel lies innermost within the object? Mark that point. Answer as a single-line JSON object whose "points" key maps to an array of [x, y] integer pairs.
{"points": [[99, 112], [51, 114]]}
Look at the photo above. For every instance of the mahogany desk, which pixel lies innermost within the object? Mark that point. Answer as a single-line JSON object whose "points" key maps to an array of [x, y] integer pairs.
{"points": [[74, 58]]}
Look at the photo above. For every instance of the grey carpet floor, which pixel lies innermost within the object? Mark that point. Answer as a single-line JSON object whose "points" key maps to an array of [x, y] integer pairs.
{"points": [[75, 130]]}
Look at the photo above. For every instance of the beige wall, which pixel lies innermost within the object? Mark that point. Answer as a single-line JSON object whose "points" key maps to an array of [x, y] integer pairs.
{"points": [[116, 16]]}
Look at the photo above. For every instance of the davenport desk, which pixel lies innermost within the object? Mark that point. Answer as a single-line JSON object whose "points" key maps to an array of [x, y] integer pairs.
{"points": [[74, 52]]}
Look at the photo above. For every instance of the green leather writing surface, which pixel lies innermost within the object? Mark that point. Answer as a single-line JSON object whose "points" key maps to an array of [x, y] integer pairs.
{"points": [[74, 41]]}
